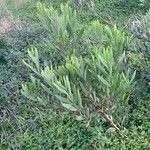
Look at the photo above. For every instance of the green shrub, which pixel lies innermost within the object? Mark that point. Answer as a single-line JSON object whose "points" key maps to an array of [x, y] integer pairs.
{"points": [[27, 124], [63, 28], [71, 84], [140, 50]]}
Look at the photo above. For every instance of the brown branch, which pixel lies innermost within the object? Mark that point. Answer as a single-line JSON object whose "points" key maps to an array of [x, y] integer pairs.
{"points": [[108, 118], [102, 110]]}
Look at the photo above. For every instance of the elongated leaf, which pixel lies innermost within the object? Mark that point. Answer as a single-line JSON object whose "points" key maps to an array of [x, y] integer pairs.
{"points": [[60, 87], [133, 76], [121, 58], [41, 101], [103, 81], [34, 70], [61, 99], [80, 99], [103, 61], [69, 106], [48, 90], [111, 130], [68, 85], [69, 29]]}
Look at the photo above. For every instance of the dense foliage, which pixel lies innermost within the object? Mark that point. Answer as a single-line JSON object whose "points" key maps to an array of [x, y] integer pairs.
{"points": [[85, 75]]}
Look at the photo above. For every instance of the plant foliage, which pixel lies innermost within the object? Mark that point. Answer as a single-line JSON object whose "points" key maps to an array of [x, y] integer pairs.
{"points": [[99, 82]]}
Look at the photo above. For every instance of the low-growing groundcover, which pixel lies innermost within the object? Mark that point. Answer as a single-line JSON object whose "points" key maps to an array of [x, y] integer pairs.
{"points": [[28, 124]]}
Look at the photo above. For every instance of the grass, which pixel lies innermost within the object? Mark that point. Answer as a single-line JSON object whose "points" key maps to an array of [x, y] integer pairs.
{"points": [[24, 125]]}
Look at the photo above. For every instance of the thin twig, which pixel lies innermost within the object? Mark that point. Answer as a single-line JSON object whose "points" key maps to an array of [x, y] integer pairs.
{"points": [[108, 118], [102, 110]]}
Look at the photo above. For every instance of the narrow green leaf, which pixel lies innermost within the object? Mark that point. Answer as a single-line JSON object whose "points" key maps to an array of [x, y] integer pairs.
{"points": [[79, 99], [29, 66], [68, 85], [103, 80], [61, 99], [69, 106], [133, 76], [60, 87], [103, 61]]}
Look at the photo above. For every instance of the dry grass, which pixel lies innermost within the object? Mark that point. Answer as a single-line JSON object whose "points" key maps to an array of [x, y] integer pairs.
{"points": [[15, 2], [9, 23], [1, 2]]}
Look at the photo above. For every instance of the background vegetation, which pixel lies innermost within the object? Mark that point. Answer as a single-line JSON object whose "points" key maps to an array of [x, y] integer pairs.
{"points": [[30, 123]]}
